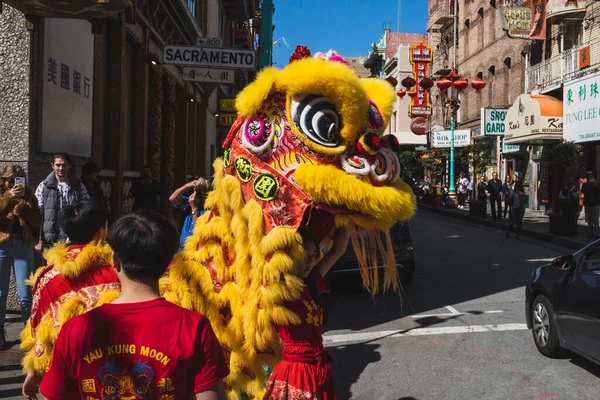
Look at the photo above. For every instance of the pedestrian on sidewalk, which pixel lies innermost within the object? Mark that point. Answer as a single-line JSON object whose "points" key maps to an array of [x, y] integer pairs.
{"points": [[482, 195], [140, 344], [461, 185], [494, 187], [61, 188], [505, 193], [591, 203], [90, 177], [517, 209], [569, 202], [20, 220]]}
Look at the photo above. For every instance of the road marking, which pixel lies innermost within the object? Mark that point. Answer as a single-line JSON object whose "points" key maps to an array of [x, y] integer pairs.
{"points": [[453, 310], [441, 315], [541, 260], [448, 330]]}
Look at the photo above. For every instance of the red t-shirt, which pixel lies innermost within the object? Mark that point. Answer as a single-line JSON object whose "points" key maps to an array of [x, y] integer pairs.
{"points": [[148, 350]]}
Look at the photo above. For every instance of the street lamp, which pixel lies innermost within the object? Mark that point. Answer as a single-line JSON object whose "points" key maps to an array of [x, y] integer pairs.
{"points": [[452, 84]]}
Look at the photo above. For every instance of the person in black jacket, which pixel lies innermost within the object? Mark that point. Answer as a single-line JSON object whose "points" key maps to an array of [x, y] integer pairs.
{"points": [[482, 193], [494, 187], [506, 195], [591, 202]]}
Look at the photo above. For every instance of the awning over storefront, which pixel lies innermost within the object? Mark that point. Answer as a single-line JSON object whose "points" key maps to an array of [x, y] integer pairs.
{"points": [[535, 120]]}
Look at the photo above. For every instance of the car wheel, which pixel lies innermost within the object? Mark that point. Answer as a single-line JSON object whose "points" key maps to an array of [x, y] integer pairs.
{"points": [[544, 331]]}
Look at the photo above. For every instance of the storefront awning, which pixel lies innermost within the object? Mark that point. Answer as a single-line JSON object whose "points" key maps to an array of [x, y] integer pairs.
{"points": [[534, 120]]}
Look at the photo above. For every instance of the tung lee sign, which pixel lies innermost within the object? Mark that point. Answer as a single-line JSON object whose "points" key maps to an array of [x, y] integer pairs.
{"points": [[581, 109]]}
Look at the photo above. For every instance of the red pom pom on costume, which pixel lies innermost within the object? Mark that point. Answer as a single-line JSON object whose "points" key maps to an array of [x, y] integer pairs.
{"points": [[300, 53], [369, 144]]}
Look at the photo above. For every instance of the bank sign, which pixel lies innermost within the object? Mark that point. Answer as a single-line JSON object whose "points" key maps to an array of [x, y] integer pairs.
{"points": [[441, 139], [581, 110], [493, 122], [194, 56]]}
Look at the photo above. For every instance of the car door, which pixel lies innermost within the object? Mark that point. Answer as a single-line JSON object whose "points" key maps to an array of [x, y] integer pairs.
{"points": [[579, 305]]}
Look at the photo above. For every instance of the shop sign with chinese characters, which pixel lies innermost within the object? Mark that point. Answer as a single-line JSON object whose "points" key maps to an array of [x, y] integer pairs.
{"points": [[420, 58], [581, 109], [210, 75], [68, 73]]}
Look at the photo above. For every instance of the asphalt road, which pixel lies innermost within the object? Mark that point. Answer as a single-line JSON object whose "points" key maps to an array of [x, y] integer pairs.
{"points": [[458, 332]]}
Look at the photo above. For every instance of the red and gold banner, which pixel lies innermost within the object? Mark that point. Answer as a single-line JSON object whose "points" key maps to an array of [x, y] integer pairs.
{"points": [[420, 58]]}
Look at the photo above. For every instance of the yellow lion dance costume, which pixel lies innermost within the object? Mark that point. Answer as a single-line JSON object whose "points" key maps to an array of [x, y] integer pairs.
{"points": [[305, 151]]}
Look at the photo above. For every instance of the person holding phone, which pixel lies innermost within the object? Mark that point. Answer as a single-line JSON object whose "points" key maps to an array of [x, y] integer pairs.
{"points": [[20, 220]]}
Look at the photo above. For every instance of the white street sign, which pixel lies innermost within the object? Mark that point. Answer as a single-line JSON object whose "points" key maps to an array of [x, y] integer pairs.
{"points": [[442, 139], [581, 109], [212, 75], [210, 42], [195, 56]]}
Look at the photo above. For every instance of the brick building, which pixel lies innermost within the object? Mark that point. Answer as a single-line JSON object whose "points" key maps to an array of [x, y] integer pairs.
{"points": [[483, 50]]}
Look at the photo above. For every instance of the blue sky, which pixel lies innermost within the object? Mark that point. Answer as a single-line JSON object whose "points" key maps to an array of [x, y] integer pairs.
{"points": [[347, 26]]}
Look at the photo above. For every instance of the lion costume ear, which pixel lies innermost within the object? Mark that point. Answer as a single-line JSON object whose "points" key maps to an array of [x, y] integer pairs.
{"points": [[251, 99], [383, 95]]}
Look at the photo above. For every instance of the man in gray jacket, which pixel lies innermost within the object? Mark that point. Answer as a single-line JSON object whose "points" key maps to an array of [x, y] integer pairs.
{"points": [[58, 190]]}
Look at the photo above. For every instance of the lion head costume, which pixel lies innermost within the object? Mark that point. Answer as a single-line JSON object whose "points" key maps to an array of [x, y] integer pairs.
{"points": [[306, 151]]}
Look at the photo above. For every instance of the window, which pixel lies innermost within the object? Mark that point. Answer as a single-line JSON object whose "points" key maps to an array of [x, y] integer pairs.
{"points": [[129, 149], [591, 262], [192, 6]]}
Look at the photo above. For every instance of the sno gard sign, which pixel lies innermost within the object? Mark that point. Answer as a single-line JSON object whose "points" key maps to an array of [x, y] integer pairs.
{"points": [[493, 122], [581, 110]]}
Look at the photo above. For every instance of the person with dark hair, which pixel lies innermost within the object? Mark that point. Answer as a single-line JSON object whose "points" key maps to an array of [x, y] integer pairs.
{"points": [[77, 279], [189, 199], [20, 220], [305, 365], [146, 191], [591, 203], [494, 187], [58, 190], [90, 177], [159, 349]]}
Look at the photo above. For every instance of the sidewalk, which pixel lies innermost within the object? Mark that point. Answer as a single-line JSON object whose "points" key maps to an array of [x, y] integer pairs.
{"points": [[535, 225], [11, 377]]}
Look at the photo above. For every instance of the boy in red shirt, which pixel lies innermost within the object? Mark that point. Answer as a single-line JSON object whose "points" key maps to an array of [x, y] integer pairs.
{"points": [[140, 346]]}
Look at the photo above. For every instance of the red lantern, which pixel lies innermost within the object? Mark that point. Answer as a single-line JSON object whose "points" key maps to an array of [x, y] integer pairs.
{"points": [[444, 84], [461, 84], [478, 84], [426, 83], [401, 93], [408, 82], [412, 93], [392, 81]]}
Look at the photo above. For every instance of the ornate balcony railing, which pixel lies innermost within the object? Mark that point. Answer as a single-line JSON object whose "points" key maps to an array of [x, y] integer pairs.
{"points": [[553, 72]]}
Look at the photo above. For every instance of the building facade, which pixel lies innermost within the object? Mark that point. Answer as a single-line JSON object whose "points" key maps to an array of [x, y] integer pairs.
{"points": [[89, 80], [390, 58]]}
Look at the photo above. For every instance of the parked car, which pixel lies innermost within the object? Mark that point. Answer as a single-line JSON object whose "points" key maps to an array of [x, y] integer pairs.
{"points": [[403, 252], [563, 304]]}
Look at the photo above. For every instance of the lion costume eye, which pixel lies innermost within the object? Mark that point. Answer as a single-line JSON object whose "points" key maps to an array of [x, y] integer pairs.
{"points": [[316, 117]]}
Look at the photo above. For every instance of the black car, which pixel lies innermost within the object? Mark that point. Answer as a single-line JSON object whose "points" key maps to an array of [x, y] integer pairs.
{"points": [[403, 252], [563, 304]]}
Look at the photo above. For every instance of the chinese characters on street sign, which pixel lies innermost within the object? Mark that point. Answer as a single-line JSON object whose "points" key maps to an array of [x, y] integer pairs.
{"points": [[67, 77], [211, 75], [420, 59], [581, 111], [584, 57]]}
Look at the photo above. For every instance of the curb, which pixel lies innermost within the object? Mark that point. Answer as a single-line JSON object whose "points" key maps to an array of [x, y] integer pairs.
{"points": [[546, 237]]}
